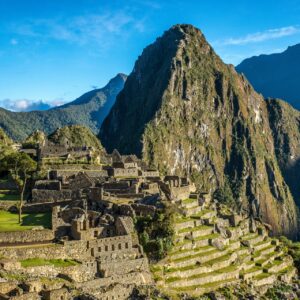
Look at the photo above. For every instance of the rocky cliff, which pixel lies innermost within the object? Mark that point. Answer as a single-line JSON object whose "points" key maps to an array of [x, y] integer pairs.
{"points": [[285, 125], [188, 113]]}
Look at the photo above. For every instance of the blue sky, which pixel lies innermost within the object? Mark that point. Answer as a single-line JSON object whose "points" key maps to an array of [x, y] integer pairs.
{"points": [[52, 51]]}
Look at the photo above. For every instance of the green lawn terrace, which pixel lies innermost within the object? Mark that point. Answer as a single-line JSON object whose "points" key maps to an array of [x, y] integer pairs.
{"points": [[57, 263], [9, 222], [213, 248], [8, 190], [9, 195]]}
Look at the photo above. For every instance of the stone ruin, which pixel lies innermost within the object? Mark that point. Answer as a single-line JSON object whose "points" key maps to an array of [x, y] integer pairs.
{"points": [[92, 227]]}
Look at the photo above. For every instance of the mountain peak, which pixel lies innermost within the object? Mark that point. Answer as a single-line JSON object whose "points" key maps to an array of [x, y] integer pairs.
{"points": [[188, 113], [116, 81], [186, 29]]}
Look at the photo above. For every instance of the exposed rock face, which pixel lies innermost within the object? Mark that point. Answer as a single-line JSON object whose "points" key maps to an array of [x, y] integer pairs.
{"points": [[285, 124], [189, 114]]}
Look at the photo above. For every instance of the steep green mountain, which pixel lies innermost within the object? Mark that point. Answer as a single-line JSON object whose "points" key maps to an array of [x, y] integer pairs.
{"points": [[188, 113], [285, 124], [89, 110], [275, 75], [5, 141], [76, 136], [34, 139]]}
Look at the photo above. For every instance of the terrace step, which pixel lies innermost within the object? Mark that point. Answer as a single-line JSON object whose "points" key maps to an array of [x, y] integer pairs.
{"points": [[269, 258], [261, 245], [278, 265], [252, 272], [252, 239], [184, 223], [192, 210], [212, 265], [195, 232], [189, 203], [248, 265], [197, 242], [204, 214], [187, 252], [197, 258], [230, 272], [263, 279], [258, 255], [199, 290]]}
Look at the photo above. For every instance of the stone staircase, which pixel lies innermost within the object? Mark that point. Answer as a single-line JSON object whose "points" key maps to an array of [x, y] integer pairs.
{"points": [[203, 260]]}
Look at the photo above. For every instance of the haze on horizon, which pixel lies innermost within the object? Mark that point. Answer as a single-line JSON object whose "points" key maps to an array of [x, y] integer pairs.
{"points": [[51, 52]]}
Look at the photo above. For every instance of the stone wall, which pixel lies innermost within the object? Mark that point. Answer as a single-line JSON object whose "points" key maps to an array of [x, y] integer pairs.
{"points": [[79, 273], [74, 170], [28, 236], [143, 209], [105, 247], [71, 249], [48, 185], [42, 207], [182, 192], [125, 266], [119, 172], [43, 196]]}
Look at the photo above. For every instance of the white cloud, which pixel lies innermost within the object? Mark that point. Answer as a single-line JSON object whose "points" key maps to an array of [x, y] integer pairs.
{"points": [[28, 105], [269, 34], [14, 42], [91, 28]]}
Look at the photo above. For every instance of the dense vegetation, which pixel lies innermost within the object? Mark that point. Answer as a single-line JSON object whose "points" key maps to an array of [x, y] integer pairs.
{"points": [[76, 136], [293, 248], [90, 109], [156, 233]]}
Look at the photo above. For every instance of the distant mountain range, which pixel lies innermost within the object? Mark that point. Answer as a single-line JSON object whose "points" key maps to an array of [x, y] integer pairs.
{"points": [[275, 75], [89, 110]]}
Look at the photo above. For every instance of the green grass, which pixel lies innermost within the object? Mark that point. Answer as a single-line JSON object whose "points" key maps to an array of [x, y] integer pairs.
{"points": [[259, 252], [201, 254], [201, 213], [262, 276], [210, 285], [205, 248], [9, 197], [58, 263], [9, 221], [191, 229], [188, 201]]}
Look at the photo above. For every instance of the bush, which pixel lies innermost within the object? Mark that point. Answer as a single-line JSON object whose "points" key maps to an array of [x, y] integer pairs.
{"points": [[156, 234], [293, 248]]}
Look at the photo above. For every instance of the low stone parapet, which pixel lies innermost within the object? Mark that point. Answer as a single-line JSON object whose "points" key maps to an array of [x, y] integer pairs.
{"points": [[251, 273], [27, 236], [280, 265], [269, 280], [111, 268], [184, 224]]}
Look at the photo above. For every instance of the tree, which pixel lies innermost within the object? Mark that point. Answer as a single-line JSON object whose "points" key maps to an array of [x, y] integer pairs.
{"points": [[20, 167]]}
